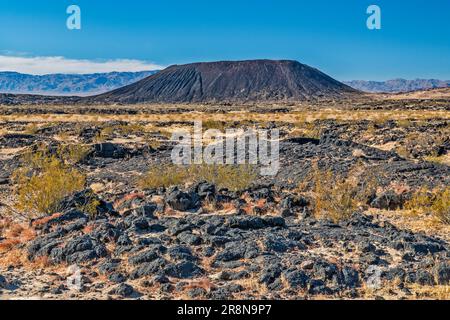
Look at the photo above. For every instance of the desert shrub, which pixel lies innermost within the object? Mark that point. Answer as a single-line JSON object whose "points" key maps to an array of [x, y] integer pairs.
{"points": [[338, 197], [308, 130], [232, 177], [371, 129], [64, 136], [69, 154], [435, 202], [120, 130], [153, 143], [404, 123], [422, 198], [163, 176], [441, 206], [438, 159], [403, 152], [31, 128], [90, 205], [381, 120], [335, 197], [212, 124], [73, 153], [38, 158], [41, 187], [421, 145]]}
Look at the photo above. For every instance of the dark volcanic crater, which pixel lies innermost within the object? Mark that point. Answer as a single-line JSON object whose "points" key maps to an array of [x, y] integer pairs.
{"points": [[226, 81]]}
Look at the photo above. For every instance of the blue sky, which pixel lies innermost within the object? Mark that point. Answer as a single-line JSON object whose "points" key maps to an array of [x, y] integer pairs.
{"points": [[331, 35]]}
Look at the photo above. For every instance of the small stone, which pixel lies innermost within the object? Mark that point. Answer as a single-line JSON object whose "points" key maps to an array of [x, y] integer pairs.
{"points": [[123, 290], [196, 293], [117, 278], [297, 279], [3, 282], [140, 224], [182, 201], [307, 265], [184, 270]]}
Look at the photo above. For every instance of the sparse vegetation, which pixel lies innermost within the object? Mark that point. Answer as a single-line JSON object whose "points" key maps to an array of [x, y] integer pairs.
{"points": [[307, 130], [90, 206], [232, 177], [445, 159], [212, 124], [163, 176], [73, 153], [42, 186], [421, 145], [110, 131], [335, 197], [434, 202], [31, 128], [338, 197], [404, 123], [153, 143], [14, 234]]}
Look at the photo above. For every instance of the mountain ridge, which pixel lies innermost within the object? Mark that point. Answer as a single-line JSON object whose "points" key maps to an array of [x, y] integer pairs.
{"points": [[397, 85], [59, 84]]}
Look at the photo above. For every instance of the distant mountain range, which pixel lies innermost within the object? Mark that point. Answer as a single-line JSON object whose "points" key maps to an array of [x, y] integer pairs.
{"points": [[68, 84], [397, 85]]}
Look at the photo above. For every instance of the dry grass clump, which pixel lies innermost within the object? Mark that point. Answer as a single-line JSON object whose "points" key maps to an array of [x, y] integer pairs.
{"points": [[435, 202], [380, 120], [64, 136], [153, 143], [232, 177], [90, 205], [338, 197], [335, 197], [431, 292], [14, 234], [421, 145], [307, 129], [42, 185], [31, 128], [404, 123], [163, 176], [73, 153], [212, 124], [68, 154], [120, 130], [445, 159]]}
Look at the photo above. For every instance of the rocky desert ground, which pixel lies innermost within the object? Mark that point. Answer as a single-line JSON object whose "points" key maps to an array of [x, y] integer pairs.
{"points": [[91, 208]]}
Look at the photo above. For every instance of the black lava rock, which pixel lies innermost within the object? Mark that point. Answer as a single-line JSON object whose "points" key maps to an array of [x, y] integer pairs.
{"points": [[182, 201], [184, 270], [123, 290]]}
